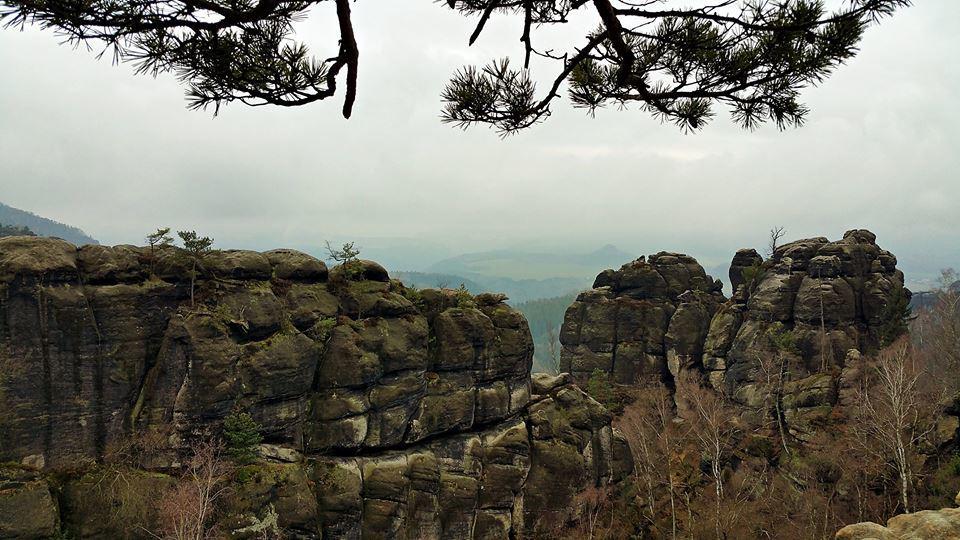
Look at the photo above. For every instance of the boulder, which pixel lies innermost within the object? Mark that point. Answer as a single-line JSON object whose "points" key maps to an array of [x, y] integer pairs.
{"points": [[294, 265]]}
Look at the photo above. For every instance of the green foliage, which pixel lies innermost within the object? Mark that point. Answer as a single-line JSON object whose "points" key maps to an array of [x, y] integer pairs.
{"points": [[42, 226], [156, 240], [347, 257], [685, 62], [196, 249], [752, 56], [195, 245], [324, 328], [894, 317], [753, 275], [601, 389], [954, 465], [14, 230], [160, 238], [780, 339], [242, 435], [410, 292], [463, 297]]}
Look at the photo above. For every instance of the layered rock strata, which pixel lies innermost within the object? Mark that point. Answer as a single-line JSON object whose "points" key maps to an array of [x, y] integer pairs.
{"points": [[810, 312], [647, 320], [411, 412], [804, 315]]}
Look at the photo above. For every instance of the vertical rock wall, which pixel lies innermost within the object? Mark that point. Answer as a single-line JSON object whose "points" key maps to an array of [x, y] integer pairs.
{"points": [[408, 414]]}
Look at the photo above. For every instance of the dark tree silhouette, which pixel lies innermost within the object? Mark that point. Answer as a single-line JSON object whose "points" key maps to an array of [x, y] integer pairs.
{"points": [[751, 55]]}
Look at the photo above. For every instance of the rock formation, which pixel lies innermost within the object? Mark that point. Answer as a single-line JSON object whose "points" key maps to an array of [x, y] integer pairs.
{"points": [[410, 413], [811, 309], [647, 320], [924, 525]]}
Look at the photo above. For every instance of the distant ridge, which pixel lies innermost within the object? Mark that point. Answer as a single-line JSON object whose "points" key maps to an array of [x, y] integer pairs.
{"points": [[43, 226], [521, 264]]}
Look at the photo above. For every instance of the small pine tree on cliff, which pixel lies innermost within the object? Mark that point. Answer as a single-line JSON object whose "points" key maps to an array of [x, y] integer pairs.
{"points": [[242, 435], [347, 257], [196, 248], [157, 240]]}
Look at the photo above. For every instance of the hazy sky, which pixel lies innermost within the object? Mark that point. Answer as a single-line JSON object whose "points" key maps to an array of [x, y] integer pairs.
{"points": [[90, 144]]}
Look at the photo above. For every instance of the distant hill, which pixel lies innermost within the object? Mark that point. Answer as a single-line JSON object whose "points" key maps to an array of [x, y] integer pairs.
{"points": [[517, 290], [42, 226], [520, 265], [14, 230], [525, 276], [545, 317], [430, 280]]}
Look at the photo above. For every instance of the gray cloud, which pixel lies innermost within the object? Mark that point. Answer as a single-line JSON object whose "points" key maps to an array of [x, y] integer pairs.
{"points": [[90, 144]]}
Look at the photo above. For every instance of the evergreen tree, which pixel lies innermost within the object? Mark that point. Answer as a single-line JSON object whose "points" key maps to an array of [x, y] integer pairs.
{"points": [[196, 248], [242, 436], [14, 230], [601, 389], [156, 240], [752, 56]]}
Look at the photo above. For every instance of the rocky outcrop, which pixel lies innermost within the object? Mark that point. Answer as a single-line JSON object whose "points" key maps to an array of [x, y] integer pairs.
{"points": [[647, 320], [401, 410], [805, 309], [27, 507], [924, 525], [805, 315]]}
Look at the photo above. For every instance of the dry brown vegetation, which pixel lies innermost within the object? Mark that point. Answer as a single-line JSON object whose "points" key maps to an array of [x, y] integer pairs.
{"points": [[710, 468]]}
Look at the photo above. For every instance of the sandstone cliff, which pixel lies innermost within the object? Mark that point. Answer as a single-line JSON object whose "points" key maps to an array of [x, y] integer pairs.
{"points": [[811, 309], [395, 412], [647, 320]]}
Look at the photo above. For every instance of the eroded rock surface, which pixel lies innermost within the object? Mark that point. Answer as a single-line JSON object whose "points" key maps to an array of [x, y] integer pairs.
{"points": [[810, 310], [941, 524], [647, 320], [411, 413]]}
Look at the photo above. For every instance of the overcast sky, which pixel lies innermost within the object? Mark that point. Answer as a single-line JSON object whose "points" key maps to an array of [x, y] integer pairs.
{"points": [[93, 145]]}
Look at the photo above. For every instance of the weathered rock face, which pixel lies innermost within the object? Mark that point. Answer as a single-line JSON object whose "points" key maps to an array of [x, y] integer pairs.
{"points": [[801, 313], [828, 297], [647, 320], [410, 402], [924, 525], [27, 508]]}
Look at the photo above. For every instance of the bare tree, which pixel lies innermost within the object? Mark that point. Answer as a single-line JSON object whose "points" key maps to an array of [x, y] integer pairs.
{"points": [[773, 371], [657, 442], [938, 327], [185, 512], [776, 234], [713, 426], [897, 410], [591, 503], [553, 349]]}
